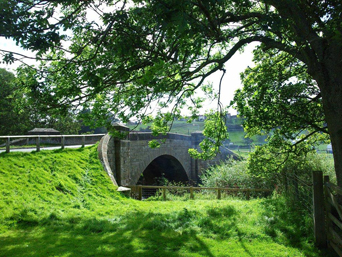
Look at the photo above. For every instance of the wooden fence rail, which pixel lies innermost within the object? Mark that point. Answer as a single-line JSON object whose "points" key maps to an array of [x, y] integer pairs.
{"points": [[333, 215], [40, 137], [327, 213], [137, 191]]}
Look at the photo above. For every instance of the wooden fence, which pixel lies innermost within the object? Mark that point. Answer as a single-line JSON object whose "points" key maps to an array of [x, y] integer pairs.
{"points": [[327, 213], [137, 191], [79, 140], [333, 215]]}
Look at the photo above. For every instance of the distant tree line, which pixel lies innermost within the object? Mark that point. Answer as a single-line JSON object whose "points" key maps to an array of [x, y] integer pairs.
{"points": [[20, 112]]}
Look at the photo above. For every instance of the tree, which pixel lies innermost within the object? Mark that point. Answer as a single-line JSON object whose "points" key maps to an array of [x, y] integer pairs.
{"points": [[13, 118], [137, 52], [19, 112]]}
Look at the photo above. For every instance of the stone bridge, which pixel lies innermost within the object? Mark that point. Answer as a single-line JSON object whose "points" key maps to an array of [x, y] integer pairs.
{"points": [[131, 161]]}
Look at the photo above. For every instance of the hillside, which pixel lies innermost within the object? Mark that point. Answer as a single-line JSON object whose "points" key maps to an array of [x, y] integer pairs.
{"points": [[61, 203], [235, 130], [41, 186]]}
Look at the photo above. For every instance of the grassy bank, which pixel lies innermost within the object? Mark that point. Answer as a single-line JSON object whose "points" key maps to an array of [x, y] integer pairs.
{"points": [[61, 203], [38, 186]]}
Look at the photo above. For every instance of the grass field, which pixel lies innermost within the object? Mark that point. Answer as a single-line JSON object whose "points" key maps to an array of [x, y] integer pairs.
{"points": [[182, 127], [61, 203]]}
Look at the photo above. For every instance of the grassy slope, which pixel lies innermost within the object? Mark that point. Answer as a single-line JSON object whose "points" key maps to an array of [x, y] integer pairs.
{"points": [[61, 203]]}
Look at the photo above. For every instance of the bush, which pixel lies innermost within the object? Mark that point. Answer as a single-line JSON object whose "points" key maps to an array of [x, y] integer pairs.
{"points": [[282, 173], [233, 174]]}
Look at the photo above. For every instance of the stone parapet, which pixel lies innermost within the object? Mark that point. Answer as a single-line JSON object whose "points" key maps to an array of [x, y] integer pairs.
{"points": [[134, 136]]}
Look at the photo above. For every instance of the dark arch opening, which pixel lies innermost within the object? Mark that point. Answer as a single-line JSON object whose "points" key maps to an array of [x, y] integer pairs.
{"points": [[163, 167]]}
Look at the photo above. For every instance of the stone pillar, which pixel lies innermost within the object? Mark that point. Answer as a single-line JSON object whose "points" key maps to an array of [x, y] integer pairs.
{"points": [[122, 129], [121, 152]]}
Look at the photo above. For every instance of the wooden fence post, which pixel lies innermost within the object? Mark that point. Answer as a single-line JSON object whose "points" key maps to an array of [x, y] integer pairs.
{"points": [[236, 191], [164, 193], [328, 222], [318, 207], [218, 194], [248, 194], [8, 145], [38, 143], [83, 141], [191, 193], [140, 192], [63, 142]]}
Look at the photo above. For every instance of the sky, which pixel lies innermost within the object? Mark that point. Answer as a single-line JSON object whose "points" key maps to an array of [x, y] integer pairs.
{"points": [[230, 83]]}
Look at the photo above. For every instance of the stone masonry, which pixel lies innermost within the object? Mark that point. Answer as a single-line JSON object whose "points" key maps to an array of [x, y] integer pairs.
{"points": [[126, 158]]}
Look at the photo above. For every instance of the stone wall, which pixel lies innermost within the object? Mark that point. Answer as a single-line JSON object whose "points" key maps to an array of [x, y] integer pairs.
{"points": [[141, 155], [105, 153], [125, 158]]}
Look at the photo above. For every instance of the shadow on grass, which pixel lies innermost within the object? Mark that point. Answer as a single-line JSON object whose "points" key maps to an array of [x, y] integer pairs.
{"points": [[136, 234], [291, 225], [141, 233]]}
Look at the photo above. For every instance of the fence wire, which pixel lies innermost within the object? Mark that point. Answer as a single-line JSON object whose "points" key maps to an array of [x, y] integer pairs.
{"points": [[299, 194]]}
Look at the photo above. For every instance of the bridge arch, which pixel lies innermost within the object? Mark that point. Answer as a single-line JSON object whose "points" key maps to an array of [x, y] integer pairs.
{"points": [[126, 158], [163, 167]]}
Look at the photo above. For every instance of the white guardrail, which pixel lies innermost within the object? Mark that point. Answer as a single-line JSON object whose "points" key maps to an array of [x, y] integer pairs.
{"points": [[80, 138]]}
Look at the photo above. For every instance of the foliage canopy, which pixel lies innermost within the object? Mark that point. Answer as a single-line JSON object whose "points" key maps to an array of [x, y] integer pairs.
{"points": [[19, 111], [121, 56]]}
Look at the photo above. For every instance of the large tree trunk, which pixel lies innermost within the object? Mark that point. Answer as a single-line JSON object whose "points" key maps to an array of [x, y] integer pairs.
{"points": [[323, 55], [330, 82], [333, 114]]}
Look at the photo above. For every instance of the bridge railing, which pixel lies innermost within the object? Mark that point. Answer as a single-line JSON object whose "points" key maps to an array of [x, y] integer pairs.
{"points": [[37, 140], [142, 192]]}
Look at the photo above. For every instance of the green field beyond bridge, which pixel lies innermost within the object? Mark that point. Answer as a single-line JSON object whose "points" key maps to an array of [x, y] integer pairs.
{"points": [[62, 203]]}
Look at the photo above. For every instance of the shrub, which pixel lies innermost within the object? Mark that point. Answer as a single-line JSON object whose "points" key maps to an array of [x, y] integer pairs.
{"points": [[231, 174]]}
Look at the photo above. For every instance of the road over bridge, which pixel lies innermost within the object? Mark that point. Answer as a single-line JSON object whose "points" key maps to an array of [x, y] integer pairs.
{"points": [[131, 161]]}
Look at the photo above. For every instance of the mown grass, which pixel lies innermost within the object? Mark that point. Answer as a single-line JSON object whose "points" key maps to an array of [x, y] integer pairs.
{"points": [[61, 203]]}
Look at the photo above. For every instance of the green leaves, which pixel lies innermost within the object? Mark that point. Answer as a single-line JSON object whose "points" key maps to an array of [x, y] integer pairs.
{"points": [[278, 95], [20, 112], [135, 58], [215, 132], [279, 154], [153, 144]]}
